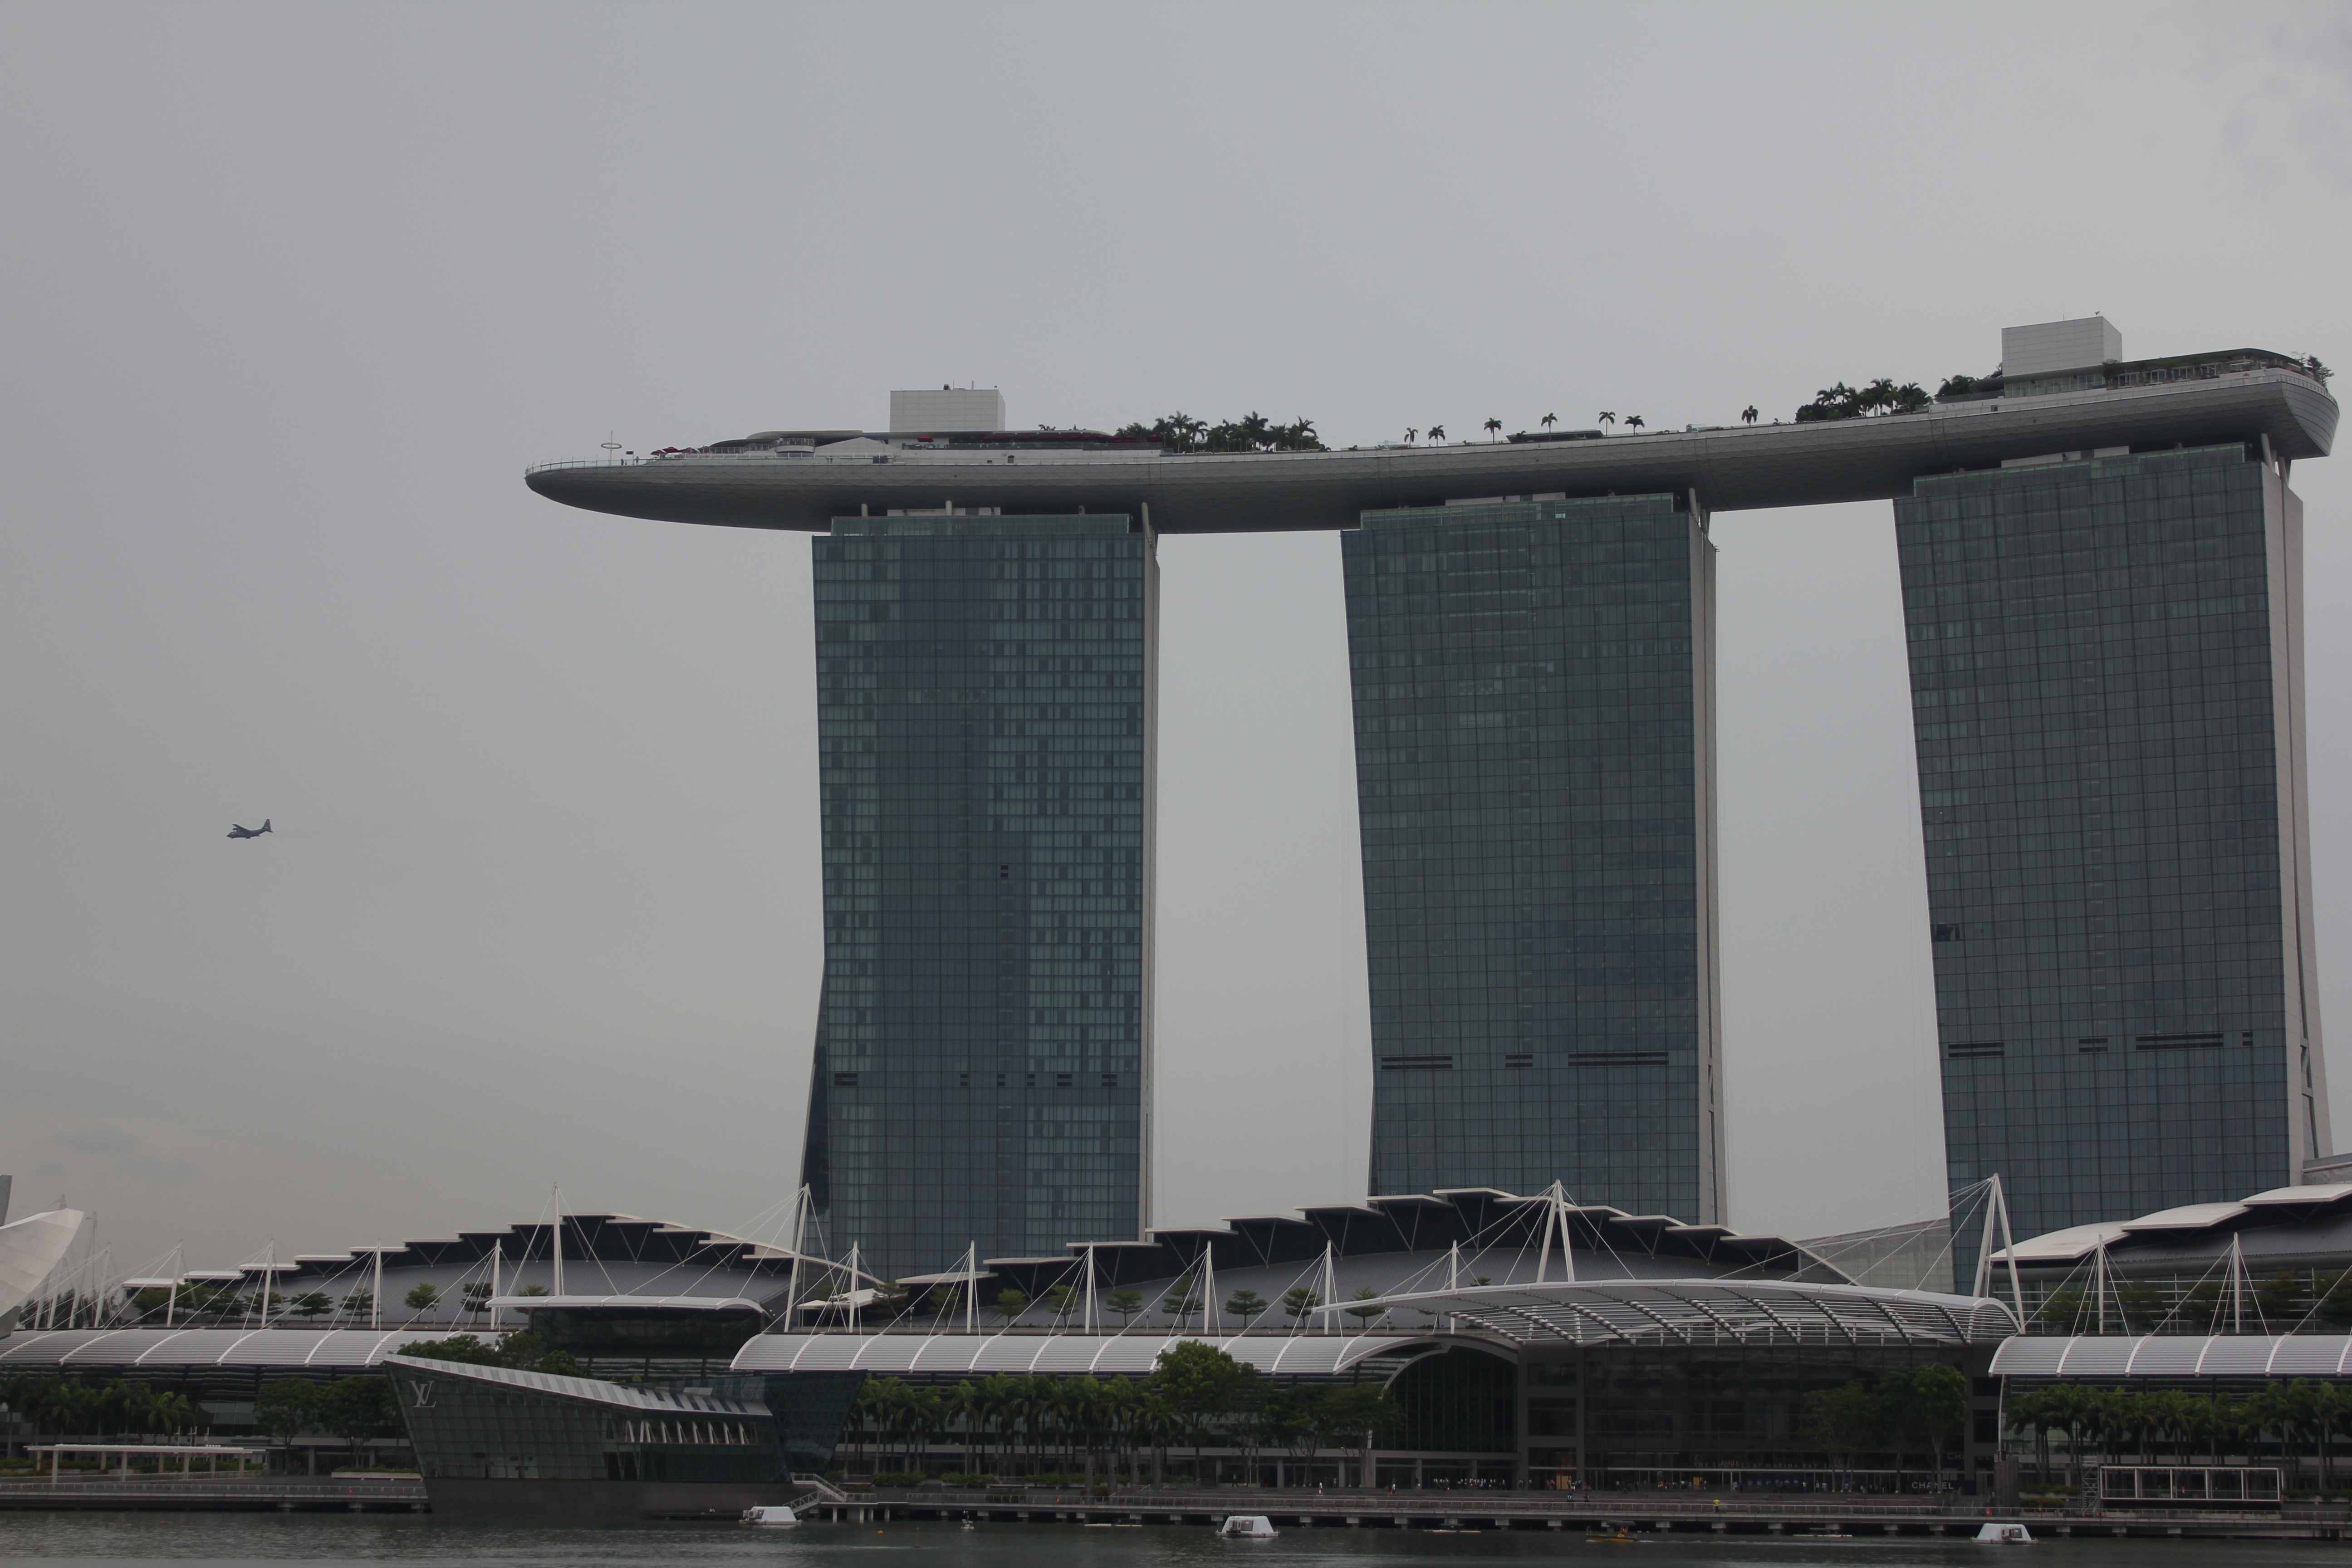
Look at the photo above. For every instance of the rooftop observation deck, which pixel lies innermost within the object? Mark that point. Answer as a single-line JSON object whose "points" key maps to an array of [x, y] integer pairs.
{"points": [[2243, 396]]}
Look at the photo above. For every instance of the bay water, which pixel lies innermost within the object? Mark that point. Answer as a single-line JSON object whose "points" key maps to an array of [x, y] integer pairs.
{"points": [[283, 1540]]}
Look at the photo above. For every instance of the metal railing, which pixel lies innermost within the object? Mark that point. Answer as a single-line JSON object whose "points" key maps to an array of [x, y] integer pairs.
{"points": [[1469, 1504], [227, 1488], [612, 462]]}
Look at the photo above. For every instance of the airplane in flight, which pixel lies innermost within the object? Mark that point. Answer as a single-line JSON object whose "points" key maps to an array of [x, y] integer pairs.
{"points": [[239, 831]]}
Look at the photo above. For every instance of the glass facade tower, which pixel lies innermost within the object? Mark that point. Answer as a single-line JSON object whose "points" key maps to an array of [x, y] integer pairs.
{"points": [[1535, 703], [2107, 676], [986, 711]]}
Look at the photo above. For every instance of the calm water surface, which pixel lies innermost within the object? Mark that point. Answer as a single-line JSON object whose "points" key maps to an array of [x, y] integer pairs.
{"points": [[282, 1539]]}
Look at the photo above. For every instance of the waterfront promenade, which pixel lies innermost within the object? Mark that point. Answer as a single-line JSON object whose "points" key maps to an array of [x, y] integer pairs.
{"points": [[175, 1494], [1679, 1512], [1824, 1515]]}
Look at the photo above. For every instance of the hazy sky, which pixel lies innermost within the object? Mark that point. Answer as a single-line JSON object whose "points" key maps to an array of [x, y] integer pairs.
{"points": [[293, 292]]}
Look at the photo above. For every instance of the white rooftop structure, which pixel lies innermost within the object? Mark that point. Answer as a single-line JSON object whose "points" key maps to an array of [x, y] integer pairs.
{"points": [[1710, 1311], [2045, 346], [949, 411], [29, 1249], [2272, 1219]]}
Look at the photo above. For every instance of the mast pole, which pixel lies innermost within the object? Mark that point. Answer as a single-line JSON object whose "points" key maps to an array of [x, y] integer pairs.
{"points": [[1543, 1256], [1566, 1239], [800, 1239], [2009, 1249], [1983, 1275]]}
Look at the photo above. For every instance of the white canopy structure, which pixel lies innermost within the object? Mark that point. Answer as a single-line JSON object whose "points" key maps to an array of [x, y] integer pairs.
{"points": [[640, 1303], [71, 1349], [1709, 1312], [1298, 1355], [2109, 1356], [29, 1249]]}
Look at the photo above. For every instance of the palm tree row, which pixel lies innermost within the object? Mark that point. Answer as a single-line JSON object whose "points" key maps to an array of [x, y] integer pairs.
{"points": [[114, 1408], [2181, 1426], [1108, 1424], [1253, 432], [1001, 1417], [1494, 427], [1880, 396]]}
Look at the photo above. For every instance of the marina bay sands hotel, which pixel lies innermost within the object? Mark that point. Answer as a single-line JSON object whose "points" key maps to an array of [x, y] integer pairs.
{"points": [[2101, 565]]}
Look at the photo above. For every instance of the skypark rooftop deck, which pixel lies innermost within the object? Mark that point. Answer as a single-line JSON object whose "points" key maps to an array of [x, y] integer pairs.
{"points": [[1732, 468]]}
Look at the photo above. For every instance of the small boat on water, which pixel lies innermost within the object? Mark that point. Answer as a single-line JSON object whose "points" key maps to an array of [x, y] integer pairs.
{"points": [[2005, 1535], [770, 1513], [1616, 1535], [1247, 1527]]}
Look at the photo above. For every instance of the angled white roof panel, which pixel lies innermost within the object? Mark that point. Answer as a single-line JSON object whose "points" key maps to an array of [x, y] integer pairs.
{"points": [[2319, 1193], [2061, 1246], [2188, 1217], [29, 1249]]}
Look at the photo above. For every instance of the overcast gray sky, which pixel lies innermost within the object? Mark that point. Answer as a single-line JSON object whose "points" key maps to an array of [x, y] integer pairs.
{"points": [[293, 292]]}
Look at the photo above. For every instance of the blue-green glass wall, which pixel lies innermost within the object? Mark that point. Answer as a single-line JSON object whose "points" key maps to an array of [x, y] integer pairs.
{"points": [[2105, 673], [985, 711], [1534, 704]]}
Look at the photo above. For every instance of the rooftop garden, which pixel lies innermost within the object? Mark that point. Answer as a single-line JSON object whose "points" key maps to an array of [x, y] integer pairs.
{"points": [[1253, 432]]}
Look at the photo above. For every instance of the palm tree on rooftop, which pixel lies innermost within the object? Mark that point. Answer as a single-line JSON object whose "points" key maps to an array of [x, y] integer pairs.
{"points": [[1632, 422], [1549, 420], [1409, 432], [1607, 419], [1493, 425], [1748, 414], [1437, 432]]}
